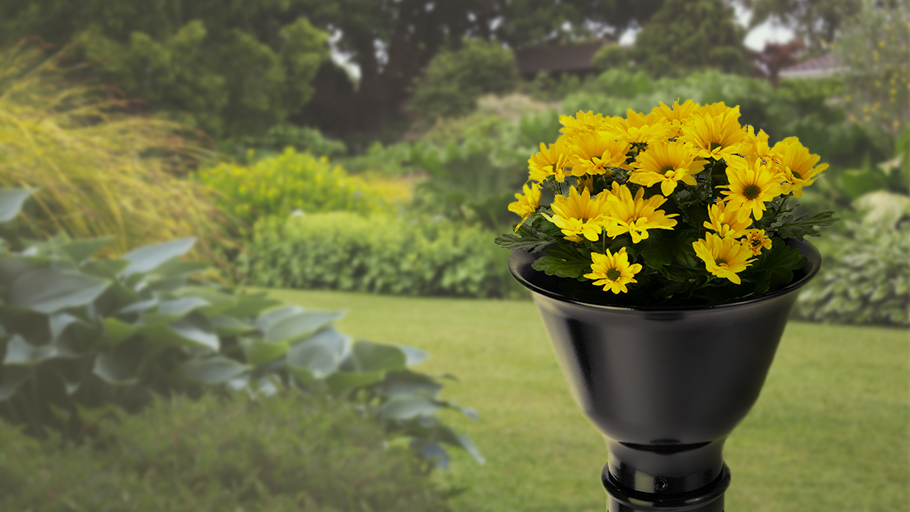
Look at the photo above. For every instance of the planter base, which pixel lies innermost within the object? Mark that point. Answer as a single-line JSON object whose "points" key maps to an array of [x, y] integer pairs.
{"points": [[707, 499]]}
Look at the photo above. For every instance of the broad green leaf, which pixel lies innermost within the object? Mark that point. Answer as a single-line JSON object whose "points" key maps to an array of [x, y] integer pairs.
{"points": [[109, 269], [59, 322], [11, 377], [49, 290], [563, 262], [257, 352], [21, 352], [407, 407], [71, 386], [173, 310], [139, 307], [213, 370], [269, 318], [11, 200], [406, 382], [447, 435], [369, 356], [119, 365], [320, 354], [218, 302], [413, 355], [804, 225], [341, 382], [178, 268], [81, 250], [300, 325], [194, 330], [250, 304], [116, 332], [150, 257], [229, 326], [301, 375]]}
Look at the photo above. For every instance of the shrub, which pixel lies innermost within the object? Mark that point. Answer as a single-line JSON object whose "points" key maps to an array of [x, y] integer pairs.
{"points": [[453, 80], [865, 278], [80, 332], [303, 139], [98, 172], [291, 181], [378, 254], [289, 452]]}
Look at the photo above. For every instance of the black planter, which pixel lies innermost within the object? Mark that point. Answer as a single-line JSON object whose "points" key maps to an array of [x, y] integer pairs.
{"points": [[665, 386]]}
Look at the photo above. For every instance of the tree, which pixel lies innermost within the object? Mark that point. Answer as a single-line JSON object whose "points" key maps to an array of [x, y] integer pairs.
{"points": [[815, 21], [874, 47], [231, 69], [689, 35], [775, 57]]}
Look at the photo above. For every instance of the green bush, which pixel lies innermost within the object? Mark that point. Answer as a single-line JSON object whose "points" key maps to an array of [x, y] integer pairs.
{"points": [[380, 254], [291, 181], [80, 332], [276, 139], [288, 452], [865, 278], [453, 80]]}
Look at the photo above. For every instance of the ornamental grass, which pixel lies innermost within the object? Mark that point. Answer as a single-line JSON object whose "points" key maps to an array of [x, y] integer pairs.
{"points": [[680, 206]]}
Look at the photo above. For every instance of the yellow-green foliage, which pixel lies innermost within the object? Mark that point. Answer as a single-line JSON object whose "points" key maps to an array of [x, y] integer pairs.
{"points": [[99, 172], [291, 181]]}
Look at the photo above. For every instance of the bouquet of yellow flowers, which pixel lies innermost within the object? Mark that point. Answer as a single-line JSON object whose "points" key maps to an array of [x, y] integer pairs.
{"points": [[680, 206]]}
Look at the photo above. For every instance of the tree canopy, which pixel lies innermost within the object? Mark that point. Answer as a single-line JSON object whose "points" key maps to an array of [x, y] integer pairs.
{"points": [[815, 21]]}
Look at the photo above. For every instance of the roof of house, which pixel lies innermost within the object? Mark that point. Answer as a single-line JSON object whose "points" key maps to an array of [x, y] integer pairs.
{"points": [[819, 67], [567, 57]]}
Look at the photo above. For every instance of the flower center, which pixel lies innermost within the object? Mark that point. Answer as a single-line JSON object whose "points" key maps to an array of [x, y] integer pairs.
{"points": [[668, 169], [613, 274], [720, 262], [751, 191], [715, 145]]}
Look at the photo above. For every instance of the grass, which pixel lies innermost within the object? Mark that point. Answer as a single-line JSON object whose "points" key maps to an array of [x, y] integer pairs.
{"points": [[831, 430]]}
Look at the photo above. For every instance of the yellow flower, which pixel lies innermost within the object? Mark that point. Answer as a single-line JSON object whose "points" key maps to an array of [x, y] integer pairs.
{"points": [[527, 203], [583, 122], [678, 114], [613, 270], [666, 163], [717, 136], [726, 221], [549, 161], [718, 109], [756, 240], [592, 152], [799, 166], [756, 145], [723, 257], [752, 184], [637, 127], [579, 214], [635, 215]]}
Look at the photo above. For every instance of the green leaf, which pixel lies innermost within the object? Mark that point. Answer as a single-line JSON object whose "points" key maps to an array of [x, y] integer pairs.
{"points": [[194, 330], [369, 357], [11, 377], [21, 352], [267, 319], [49, 290], [81, 250], [341, 382], [120, 365], [173, 310], [779, 262], [300, 325], [804, 225], [11, 200], [407, 382], [109, 269], [320, 355], [213, 370], [446, 435], [413, 355], [250, 304], [116, 332], [178, 268], [564, 261], [407, 407], [258, 352], [229, 326], [525, 239], [59, 323], [148, 258]]}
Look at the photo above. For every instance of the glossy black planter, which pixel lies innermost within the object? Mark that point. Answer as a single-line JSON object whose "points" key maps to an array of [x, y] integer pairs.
{"points": [[665, 386]]}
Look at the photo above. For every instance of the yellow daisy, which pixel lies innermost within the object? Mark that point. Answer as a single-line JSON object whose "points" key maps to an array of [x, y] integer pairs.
{"points": [[677, 114], [635, 215], [716, 137], [666, 163], [799, 166], [752, 184], [718, 109], [527, 203], [592, 152], [583, 122], [756, 145], [756, 240], [641, 128], [723, 257], [579, 214], [613, 271], [727, 221], [549, 161]]}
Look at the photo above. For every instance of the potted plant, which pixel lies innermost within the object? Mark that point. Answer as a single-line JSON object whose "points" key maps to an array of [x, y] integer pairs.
{"points": [[664, 254]]}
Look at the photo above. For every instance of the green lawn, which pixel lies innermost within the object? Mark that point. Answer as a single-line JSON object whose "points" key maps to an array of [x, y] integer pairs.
{"points": [[830, 431]]}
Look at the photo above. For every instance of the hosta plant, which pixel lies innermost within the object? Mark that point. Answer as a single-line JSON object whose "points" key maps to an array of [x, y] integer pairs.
{"points": [[680, 206], [79, 331]]}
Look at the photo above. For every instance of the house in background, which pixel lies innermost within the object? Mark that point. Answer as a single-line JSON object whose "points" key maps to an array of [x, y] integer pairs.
{"points": [[819, 67], [572, 59]]}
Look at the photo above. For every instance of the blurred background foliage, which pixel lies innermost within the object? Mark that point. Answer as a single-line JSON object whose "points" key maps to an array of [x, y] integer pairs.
{"points": [[373, 145]]}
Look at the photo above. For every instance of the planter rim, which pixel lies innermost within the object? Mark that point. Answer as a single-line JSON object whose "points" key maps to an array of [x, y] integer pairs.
{"points": [[801, 277]]}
